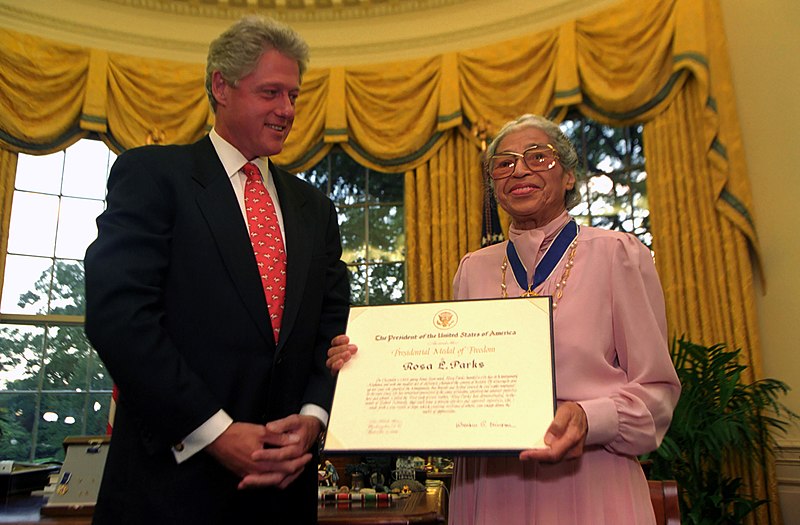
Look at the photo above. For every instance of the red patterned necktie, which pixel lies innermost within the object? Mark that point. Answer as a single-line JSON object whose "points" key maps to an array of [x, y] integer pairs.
{"points": [[265, 236]]}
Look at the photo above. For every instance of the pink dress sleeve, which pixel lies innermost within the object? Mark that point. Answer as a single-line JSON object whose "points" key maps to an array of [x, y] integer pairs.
{"points": [[460, 284], [633, 418]]}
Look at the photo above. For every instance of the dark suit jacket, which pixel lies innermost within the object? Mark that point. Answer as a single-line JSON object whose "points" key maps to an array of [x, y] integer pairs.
{"points": [[176, 311]]}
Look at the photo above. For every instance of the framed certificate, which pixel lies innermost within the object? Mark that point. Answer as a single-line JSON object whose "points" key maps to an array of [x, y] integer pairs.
{"points": [[456, 377]]}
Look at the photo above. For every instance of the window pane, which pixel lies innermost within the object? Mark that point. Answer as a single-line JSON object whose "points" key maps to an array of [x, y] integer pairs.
{"points": [[386, 187], [601, 184], [61, 415], [581, 210], [68, 292], [40, 173], [358, 284], [348, 180], [69, 362], [612, 160], [317, 176], [374, 234], [100, 378], [33, 224], [386, 234], [351, 227], [86, 169], [600, 205], [25, 285], [66, 361], [17, 425], [20, 356], [97, 413], [386, 283], [76, 226]]}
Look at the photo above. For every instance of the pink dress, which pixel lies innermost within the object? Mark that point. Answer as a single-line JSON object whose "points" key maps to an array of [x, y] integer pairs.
{"points": [[611, 357]]}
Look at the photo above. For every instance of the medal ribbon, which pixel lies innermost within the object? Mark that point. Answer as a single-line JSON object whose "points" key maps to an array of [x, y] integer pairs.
{"points": [[555, 252]]}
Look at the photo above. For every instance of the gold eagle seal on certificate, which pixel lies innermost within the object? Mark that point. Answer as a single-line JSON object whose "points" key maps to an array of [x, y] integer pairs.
{"points": [[445, 319]]}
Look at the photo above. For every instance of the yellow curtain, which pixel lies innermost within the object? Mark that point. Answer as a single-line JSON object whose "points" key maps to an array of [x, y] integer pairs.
{"points": [[662, 63], [41, 89], [443, 212], [153, 101], [703, 229], [8, 168], [702, 257]]}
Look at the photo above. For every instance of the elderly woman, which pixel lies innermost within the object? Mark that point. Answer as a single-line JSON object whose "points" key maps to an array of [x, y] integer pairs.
{"points": [[616, 384]]}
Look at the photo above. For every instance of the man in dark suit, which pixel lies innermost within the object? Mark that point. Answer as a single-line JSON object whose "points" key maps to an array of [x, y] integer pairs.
{"points": [[223, 385]]}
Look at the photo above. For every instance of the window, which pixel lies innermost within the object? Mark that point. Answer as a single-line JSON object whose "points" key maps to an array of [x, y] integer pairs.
{"points": [[370, 207], [52, 383], [613, 194]]}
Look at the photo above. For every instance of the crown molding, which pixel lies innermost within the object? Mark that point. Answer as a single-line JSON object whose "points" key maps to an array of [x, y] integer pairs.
{"points": [[371, 31], [290, 10]]}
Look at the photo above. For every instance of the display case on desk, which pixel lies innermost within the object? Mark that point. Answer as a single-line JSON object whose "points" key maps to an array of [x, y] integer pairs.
{"points": [[75, 494], [18, 478], [421, 508]]}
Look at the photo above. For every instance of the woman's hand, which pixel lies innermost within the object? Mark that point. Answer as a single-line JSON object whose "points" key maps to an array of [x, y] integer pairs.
{"points": [[564, 438], [339, 353]]}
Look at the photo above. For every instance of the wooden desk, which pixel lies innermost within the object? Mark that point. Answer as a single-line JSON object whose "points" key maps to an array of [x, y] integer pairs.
{"points": [[420, 508], [429, 508], [25, 510]]}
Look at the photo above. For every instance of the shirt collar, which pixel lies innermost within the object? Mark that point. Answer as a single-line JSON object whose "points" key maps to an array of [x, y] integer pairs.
{"points": [[232, 160], [532, 244]]}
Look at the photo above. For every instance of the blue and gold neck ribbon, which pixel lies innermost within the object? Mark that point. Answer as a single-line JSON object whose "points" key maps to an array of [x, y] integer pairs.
{"points": [[555, 252]]}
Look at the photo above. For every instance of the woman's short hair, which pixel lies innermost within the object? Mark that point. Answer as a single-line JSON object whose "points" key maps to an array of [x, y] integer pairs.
{"points": [[236, 52], [566, 151]]}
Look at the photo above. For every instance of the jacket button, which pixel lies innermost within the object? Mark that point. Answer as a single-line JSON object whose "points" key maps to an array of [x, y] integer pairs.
{"points": [[179, 447]]}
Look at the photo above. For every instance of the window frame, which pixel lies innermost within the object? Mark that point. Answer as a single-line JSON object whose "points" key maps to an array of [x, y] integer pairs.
{"points": [[47, 322]]}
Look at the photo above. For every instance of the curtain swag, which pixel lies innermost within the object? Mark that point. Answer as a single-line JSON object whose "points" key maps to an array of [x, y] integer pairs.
{"points": [[619, 66], [623, 65]]}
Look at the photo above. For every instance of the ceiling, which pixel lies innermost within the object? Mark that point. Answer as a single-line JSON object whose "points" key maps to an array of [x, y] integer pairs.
{"points": [[339, 32]]}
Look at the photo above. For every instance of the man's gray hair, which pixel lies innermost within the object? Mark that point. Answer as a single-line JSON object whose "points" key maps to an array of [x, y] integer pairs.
{"points": [[236, 52]]}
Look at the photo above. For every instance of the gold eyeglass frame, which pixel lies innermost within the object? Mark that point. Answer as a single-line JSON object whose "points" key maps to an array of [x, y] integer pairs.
{"points": [[536, 167]]}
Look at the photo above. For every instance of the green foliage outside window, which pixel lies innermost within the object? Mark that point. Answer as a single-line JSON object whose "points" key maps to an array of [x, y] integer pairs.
{"points": [[62, 387], [371, 222], [613, 190]]}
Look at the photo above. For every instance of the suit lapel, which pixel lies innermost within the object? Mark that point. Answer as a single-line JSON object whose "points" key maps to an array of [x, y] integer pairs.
{"points": [[298, 238], [217, 203]]}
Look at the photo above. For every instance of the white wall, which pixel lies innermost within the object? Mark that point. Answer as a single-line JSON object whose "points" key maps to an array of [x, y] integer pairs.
{"points": [[764, 48]]}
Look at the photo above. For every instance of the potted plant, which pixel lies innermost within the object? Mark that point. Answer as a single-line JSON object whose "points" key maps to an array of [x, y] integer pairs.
{"points": [[718, 418]]}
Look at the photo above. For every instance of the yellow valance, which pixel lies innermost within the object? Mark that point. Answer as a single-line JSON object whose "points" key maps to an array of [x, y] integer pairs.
{"points": [[621, 65]]}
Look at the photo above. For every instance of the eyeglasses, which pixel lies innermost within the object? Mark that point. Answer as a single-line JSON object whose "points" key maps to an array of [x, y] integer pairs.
{"points": [[539, 157]]}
